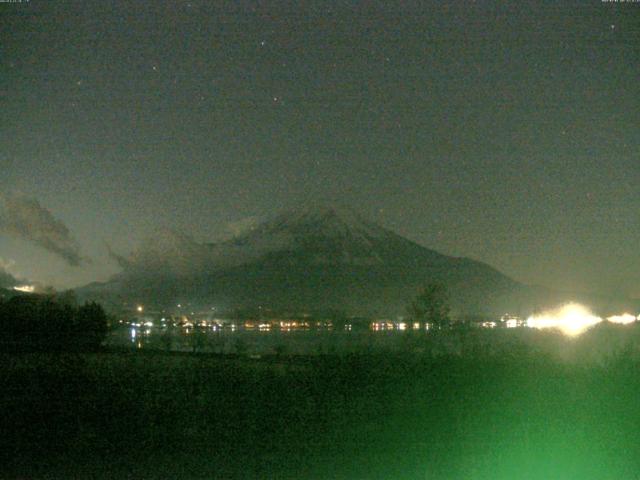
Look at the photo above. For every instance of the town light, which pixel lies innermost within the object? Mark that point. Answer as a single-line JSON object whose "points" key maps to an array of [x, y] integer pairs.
{"points": [[572, 319], [623, 319], [25, 288]]}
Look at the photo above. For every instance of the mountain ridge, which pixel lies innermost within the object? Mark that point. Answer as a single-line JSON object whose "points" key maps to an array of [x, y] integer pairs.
{"points": [[312, 259]]}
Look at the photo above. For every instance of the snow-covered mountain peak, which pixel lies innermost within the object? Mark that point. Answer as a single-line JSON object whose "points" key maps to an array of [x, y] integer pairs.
{"points": [[307, 258], [325, 220]]}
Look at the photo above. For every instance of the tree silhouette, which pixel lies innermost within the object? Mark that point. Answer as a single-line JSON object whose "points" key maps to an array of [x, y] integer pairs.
{"points": [[36, 322], [91, 325], [431, 306]]}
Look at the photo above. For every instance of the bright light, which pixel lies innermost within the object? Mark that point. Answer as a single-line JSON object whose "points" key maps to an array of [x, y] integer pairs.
{"points": [[623, 319], [571, 319], [25, 288], [140, 308]]}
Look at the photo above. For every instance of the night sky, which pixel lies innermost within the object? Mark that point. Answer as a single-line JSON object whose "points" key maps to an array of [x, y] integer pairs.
{"points": [[505, 132]]}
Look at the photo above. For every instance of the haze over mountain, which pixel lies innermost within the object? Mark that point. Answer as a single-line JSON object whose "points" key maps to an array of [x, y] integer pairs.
{"points": [[7, 280], [309, 260]]}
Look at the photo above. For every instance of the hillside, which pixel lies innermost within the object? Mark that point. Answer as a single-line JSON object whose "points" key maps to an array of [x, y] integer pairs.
{"points": [[310, 260]]}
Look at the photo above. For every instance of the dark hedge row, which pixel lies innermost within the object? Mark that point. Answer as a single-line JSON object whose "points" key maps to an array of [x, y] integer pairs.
{"points": [[41, 323]]}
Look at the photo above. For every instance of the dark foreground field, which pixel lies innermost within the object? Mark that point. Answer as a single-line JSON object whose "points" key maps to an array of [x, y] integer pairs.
{"points": [[474, 416]]}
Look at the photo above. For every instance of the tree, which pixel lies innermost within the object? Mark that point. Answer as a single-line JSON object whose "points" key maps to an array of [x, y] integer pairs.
{"points": [[431, 306], [91, 324], [41, 323], [197, 338]]}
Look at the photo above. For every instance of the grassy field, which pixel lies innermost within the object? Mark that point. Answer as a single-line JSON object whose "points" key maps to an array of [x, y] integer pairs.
{"points": [[524, 415]]}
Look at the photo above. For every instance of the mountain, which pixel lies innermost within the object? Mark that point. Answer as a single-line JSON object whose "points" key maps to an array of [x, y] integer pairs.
{"points": [[308, 260]]}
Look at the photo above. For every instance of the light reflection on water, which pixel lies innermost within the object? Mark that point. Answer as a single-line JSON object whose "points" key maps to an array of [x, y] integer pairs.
{"points": [[595, 345], [257, 341]]}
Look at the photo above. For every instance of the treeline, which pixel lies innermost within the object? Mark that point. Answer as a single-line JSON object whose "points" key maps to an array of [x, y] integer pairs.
{"points": [[47, 323]]}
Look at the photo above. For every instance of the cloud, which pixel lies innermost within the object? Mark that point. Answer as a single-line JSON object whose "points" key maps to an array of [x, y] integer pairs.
{"points": [[120, 260], [240, 227], [25, 218], [7, 280], [168, 250]]}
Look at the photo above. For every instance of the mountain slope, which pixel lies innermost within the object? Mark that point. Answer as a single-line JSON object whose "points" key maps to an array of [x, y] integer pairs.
{"points": [[305, 260]]}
